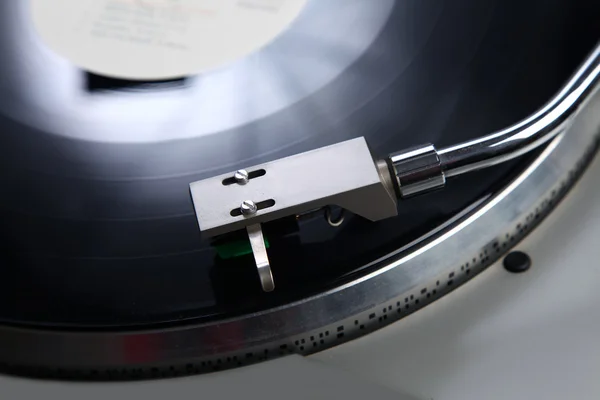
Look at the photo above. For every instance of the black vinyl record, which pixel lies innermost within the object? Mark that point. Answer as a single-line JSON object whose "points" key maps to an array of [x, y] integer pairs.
{"points": [[97, 225]]}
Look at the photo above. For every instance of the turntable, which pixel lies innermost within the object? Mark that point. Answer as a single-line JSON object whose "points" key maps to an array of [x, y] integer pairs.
{"points": [[198, 186]]}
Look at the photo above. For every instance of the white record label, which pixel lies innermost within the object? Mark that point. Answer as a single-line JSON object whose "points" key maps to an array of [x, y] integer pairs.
{"points": [[159, 39]]}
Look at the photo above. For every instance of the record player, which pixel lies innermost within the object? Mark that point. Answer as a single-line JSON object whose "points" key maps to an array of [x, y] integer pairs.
{"points": [[193, 187]]}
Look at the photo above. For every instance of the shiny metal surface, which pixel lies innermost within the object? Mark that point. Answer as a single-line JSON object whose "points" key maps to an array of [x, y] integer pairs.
{"points": [[241, 177], [536, 130], [402, 283], [418, 170], [343, 174], [257, 241], [248, 208]]}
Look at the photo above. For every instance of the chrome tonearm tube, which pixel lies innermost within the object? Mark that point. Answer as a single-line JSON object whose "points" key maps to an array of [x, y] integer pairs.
{"points": [[426, 168], [347, 175]]}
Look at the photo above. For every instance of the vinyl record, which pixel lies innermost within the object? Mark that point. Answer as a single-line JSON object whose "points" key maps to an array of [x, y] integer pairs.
{"points": [[98, 229]]}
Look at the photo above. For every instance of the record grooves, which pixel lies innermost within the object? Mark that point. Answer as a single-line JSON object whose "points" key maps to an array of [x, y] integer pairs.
{"points": [[98, 229]]}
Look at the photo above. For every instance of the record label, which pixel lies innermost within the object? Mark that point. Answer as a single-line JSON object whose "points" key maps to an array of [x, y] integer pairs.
{"points": [[159, 39]]}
